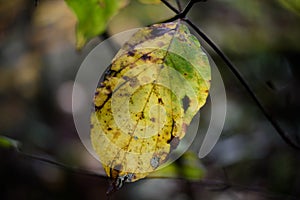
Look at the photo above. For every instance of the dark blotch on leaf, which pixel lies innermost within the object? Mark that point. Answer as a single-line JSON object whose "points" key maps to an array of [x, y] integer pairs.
{"points": [[142, 116], [185, 102], [108, 88], [146, 57], [131, 53], [160, 101]]}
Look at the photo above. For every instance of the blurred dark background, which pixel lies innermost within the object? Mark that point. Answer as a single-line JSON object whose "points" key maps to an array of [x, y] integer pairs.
{"points": [[38, 65]]}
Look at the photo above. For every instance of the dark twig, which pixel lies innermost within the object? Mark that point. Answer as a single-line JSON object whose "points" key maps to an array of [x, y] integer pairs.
{"points": [[179, 5], [61, 165], [233, 69], [212, 185], [36, 3], [170, 6], [181, 14], [188, 7]]}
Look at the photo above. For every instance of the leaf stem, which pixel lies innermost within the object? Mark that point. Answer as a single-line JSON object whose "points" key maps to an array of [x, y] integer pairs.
{"points": [[170, 6]]}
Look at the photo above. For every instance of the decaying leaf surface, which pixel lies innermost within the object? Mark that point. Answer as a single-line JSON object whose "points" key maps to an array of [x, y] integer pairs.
{"points": [[93, 16], [155, 85]]}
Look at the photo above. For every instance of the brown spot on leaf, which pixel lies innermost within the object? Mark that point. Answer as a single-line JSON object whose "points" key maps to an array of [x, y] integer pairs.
{"points": [[131, 53], [160, 101], [108, 87], [146, 57], [140, 115]]}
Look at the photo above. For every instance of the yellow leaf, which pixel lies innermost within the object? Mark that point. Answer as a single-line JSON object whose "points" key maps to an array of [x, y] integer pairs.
{"points": [[155, 85]]}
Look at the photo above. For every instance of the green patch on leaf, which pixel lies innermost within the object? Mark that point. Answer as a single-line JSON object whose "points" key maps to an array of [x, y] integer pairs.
{"points": [[292, 5], [93, 16]]}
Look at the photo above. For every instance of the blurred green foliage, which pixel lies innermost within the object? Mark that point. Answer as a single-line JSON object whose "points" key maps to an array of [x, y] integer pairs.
{"points": [[93, 16]]}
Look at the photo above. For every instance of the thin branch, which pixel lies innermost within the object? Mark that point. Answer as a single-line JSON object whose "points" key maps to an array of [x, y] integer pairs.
{"points": [[170, 6], [61, 165], [181, 14], [179, 5], [235, 71], [36, 3], [212, 185], [188, 7]]}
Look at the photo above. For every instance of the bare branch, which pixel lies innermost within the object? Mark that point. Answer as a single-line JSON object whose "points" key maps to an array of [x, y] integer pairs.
{"points": [[188, 7], [235, 71], [179, 5], [170, 6], [62, 166]]}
